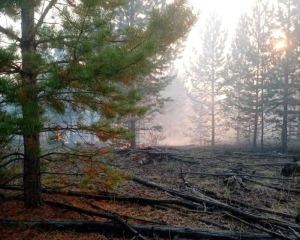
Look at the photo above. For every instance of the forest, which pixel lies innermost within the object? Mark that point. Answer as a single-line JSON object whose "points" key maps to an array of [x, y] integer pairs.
{"points": [[149, 119]]}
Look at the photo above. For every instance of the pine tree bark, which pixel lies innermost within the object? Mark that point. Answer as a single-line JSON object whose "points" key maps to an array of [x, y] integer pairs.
{"points": [[133, 130], [213, 106], [284, 136], [255, 120], [71, 123], [30, 111], [298, 121], [285, 111], [256, 97], [262, 117]]}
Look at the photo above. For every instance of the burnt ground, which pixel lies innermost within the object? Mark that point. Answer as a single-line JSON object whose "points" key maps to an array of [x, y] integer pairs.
{"points": [[185, 171]]}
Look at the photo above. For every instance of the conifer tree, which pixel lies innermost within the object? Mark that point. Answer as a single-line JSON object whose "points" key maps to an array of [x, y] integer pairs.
{"points": [[260, 32], [97, 63], [235, 82], [208, 69], [136, 14], [285, 88]]}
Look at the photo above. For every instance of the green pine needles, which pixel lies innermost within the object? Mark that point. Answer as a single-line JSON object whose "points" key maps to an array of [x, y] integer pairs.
{"points": [[57, 55]]}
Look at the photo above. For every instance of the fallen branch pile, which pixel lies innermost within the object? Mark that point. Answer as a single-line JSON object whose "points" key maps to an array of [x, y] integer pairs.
{"points": [[249, 217]]}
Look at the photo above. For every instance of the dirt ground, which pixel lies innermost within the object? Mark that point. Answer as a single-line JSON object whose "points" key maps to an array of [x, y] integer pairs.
{"points": [[185, 174]]}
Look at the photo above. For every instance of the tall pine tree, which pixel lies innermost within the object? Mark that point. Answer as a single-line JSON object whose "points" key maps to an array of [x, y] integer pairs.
{"points": [[208, 70], [96, 65]]}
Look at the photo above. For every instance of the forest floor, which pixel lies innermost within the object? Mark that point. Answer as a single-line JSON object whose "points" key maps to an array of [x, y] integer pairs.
{"points": [[236, 192]]}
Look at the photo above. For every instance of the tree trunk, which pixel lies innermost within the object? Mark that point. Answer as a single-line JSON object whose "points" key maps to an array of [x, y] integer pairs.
{"points": [[298, 123], [262, 118], [238, 122], [285, 111], [213, 111], [71, 123], [30, 111], [133, 130], [256, 97], [92, 122], [255, 121], [284, 136]]}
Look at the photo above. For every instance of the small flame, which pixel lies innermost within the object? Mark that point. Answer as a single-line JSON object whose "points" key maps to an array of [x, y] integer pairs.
{"points": [[126, 146], [59, 137]]}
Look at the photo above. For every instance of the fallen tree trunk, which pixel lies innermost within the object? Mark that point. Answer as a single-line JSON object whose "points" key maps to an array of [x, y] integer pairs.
{"points": [[266, 155], [151, 231], [97, 214], [238, 175], [268, 164], [275, 234], [296, 191], [137, 200], [245, 205], [222, 206], [112, 197]]}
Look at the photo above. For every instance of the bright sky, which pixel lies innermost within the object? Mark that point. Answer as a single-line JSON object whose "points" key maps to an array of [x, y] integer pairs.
{"points": [[229, 10]]}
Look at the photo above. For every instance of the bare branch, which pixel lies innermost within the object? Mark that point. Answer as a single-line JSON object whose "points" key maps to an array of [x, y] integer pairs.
{"points": [[9, 34], [41, 20], [10, 161]]}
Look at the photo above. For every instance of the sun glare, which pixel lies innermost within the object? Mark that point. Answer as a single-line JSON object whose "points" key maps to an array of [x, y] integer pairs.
{"points": [[280, 45]]}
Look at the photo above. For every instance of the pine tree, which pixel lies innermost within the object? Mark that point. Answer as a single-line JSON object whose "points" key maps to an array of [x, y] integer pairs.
{"points": [[285, 90], [237, 76], [96, 65], [260, 32], [136, 14], [208, 69]]}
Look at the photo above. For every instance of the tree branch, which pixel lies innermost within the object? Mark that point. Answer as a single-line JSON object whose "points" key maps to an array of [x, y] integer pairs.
{"points": [[9, 34], [40, 21], [10, 161]]}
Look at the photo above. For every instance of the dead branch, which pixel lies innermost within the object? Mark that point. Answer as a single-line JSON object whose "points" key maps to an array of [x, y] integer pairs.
{"points": [[151, 231], [93, 213], [238, 175], [242, 204], [258, 227], [281, 189], [220, 205], [268, 164], [124, 216]]}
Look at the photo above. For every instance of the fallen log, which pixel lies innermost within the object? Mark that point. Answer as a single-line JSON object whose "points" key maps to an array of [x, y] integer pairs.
{"points": [[124, 216], [238, 175], [259, 227], [268, 164], [222, 206], [265, 155], [288, 190], [137, 200], [113, 197], [242, 204], [167, 208], [97, 214], [151, 231]]}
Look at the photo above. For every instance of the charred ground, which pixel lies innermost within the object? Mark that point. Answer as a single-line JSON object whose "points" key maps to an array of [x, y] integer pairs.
{"points": [[230, 195]]}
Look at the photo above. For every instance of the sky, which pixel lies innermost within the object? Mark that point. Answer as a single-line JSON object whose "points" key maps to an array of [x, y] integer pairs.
{"points": [[229, 10]]}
